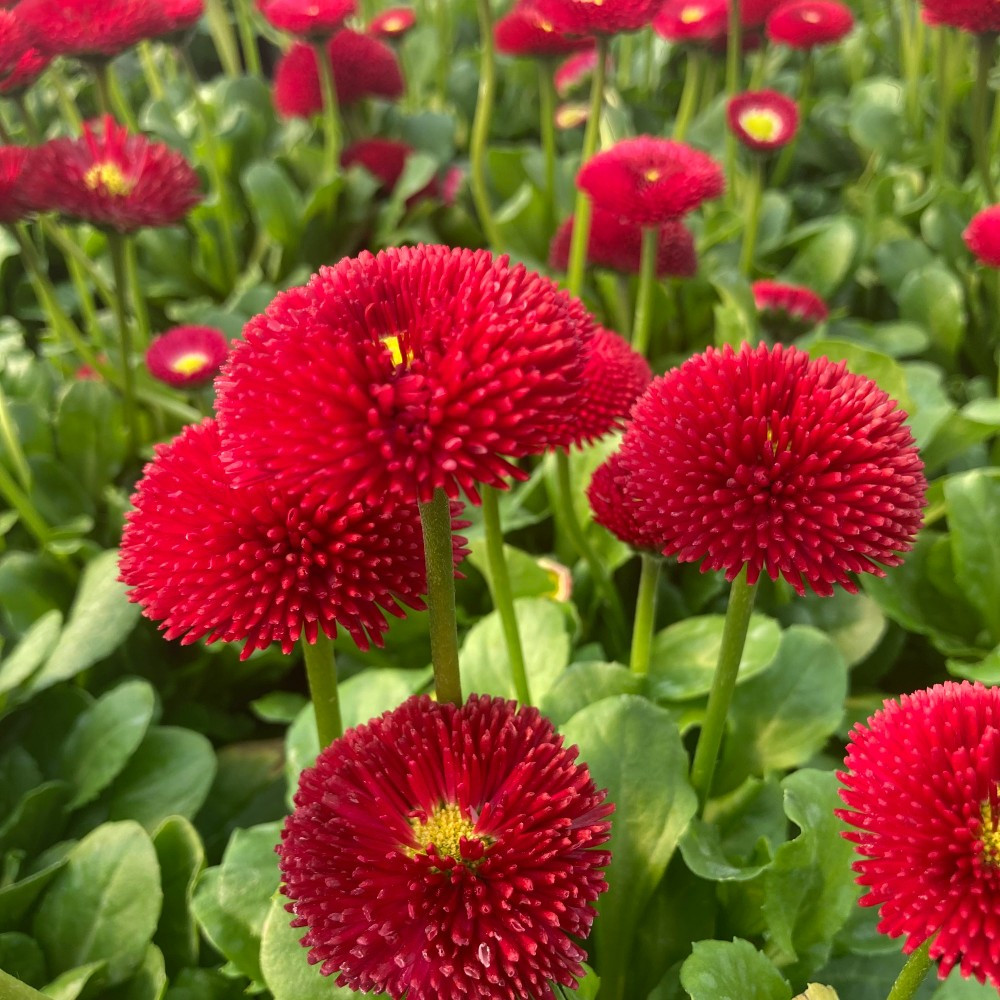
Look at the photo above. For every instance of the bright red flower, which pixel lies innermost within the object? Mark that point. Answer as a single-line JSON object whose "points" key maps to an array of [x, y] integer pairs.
{"points": [[527, 32], [617, 244], [392, 23], [181, 14], [982, 236], [24, 71], [187, 355], [763, 120], [609, 17], [768, 459], [803, 24], [91, 29], [576, 70], [14, 204], [362, 67], [692, 20], [258, 565], [614, 506], [15, 40], [977, 16], [649, 180], [385, 159], [921, 786], [112, 179], [448, 363], [788, 309], [421, 872], [308, 18]]}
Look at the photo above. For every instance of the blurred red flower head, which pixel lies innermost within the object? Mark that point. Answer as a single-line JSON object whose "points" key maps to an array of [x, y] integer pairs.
{"points": [[392, 23], [187, 355], [14, 204], [576, 70], [527, 32], [982, 236], [385, 159], [609, 17], [692, 20], [307, 18], [804, 24], [763, 120], [788, 309], [977, 16]]}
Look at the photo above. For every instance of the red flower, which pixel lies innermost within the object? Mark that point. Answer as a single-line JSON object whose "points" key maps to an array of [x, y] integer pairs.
{"points": [[921, 786], [181, 14], [451, 184], [609, 17], [448, 363], [768, 459], [93, 29], [692, 20], [257, 565], [14, 205], [187, 355], [617, 244], [788, 309], [362, 67], [763, 119], [978, 16], [576, 70], [753, 13], [443, 852], [982, 236], [309, 18], [392, 23], [803, 24], [649, 180], [527, 32], [614, 506], [24, 71], [385, 159], [15, 40]]}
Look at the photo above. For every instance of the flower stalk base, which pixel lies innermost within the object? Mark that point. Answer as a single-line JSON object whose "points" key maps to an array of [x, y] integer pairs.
{"points": [[321, 671]]}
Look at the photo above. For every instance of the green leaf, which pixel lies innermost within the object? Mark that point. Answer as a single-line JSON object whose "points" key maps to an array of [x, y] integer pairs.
{"points": [[827, 258], [205, 984], [701, 847], [149, 982], [37, 820], [21, 956], [275, 203], [228, 935], [732, 970], [876, 121], [104, 738], [31, 584], [90, 434], [104, 905], [527, 577], [73, 982], [933, 297], [583, 684], [854, 623], [618, 737], [181, 858], [35, 645], [18, 897]]}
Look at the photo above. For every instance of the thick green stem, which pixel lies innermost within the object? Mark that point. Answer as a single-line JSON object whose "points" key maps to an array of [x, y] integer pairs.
{"points": [[116, 244], [693, 71], [503, 598], [645, 614], [102, 77], [321, 671], [481, 124], [547, 124], [331, 109], [30, 124], [150, 70], [223, 36], [917, 966], [435, 519], [137, 295], [248, 37], [734, 634], [753, 200], [643, 325], [67, 106], [120, 102], [986, 53], [583, 209]]}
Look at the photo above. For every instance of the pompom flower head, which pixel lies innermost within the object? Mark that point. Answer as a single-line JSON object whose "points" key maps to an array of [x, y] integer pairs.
{"points": [[112, 179], [767, 459], [788, 310], [392, 23], [976, 16], [423, 873], [609, 17], [91, 29], [308, 18], [804, 24], [187, 355], [614, 506], [14, 205], [525, 31], [649, 180], [763, 120], [921, 786], [982, 236]]}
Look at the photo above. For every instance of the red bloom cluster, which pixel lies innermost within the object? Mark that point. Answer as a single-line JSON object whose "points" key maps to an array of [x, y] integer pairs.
{"points": [[616, 244], [788, 309], [615, 508], [392, 23], [308, 18], [803, 24], [769, 460], [527, 32], [112, 179], [14, 205], [977, 16], [576, 70], [648, 180], [187, 355], [921, 786], [982, 236], [609, 17], [763, 120], [420, 872]]}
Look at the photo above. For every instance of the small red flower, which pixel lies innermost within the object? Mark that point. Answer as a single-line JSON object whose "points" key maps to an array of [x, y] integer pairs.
{"points": [[615, 508], [527, 32], [921, 786], [803, 24], [692, 20], [769, 460], [788, 309], [385, 159], [392, 23], [420, 872], [763, 120], [982, 236], [307, 18], [609, 17], [14, 204], [977, 16], [112, 179], [617, 244], [187, 355], [576, 70], [257, 565], [649, 180]]}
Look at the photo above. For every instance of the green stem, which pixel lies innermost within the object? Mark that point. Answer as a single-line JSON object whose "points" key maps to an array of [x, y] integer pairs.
{"points": [[645, 614], [986, 51], [119, 100], [116, 245], [138, 297], [753, 200], [643, 324], [583, 209], [331, 109], [19, 502], [547, 124], [321, 672], [12, 443], [248, 38], [151, 71], [72, 250], [626, 56], [917, 966], [503, 597], [734, 634], [481, 124], [30, 125], [787, 157], [693, 71], [67, 106], [223, 36], [435, 519], [102, 77]]}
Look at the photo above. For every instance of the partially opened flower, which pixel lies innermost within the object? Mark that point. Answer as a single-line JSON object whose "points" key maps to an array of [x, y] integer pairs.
{"points": [[441, 852], [649, 180], [392, 23], [258, 565], [615, 508], [187, 355], [308, 18], [527, 32], [921, 786], [982, 236], [767, 459], [693, 21], [91, 29], [804, 24], [112, 179], [14, 203], [609, 17], [575, 71], [977, 16], [788, 309], [763, 120]]}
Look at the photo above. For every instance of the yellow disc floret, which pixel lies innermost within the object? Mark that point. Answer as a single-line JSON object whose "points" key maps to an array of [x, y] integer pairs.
{"points": [[445, 828], [396, 351], [653, 175], [108, 178], [989, 836], [761, 124], [189, 363], [692, 15]]}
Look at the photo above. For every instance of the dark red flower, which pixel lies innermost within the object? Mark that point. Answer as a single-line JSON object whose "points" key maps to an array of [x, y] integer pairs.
{"points": [[15, 40], [803, 24], [187, 355], [921, 786], [97, 29], [763, 119], [616, 244], [447, 363], [527, 32], [649, 180], [692, 20], [788, 309], [614, 506], [258, 565], [112, 179], [576, 70], [24, 71], [362, 67], [392, 23], [385, 159], [754, 13], [978, 16], [442, 852], [982, 235], [451, 184], [14, 204], [181, 14], [768, 459], [308, 18], [609, 17]]}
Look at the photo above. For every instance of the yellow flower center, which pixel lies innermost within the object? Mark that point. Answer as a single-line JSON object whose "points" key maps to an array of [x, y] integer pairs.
{"points": [[395, 350], [989, 836], [109, 178], [393, 24], [546, 26], [653, 175], [188, 364], [812, 16], [760, 124], [596, 3], [692, 15], [445, 828]]}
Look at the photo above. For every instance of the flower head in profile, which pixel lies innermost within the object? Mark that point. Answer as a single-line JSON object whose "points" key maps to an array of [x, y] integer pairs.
{"points": [[14, 204], [692, 21], [921, 785], [527, 32], [576, 70], [976, 16], [421, 873], [187, 355], [788, 310], [609, 17], [614, 506], [804, 24], [649, 180], [763, 120], [392, 23], [768, 459], [112, 179], [307, 18], [982, 236], [258, 565]]}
